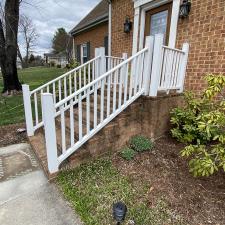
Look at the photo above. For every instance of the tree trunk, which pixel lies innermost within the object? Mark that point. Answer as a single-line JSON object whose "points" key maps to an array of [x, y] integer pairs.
{"points": [[8, 47]]}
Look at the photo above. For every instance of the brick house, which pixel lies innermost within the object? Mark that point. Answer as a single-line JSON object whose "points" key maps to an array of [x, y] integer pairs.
{"points": [[203, 29], [91, 32]]}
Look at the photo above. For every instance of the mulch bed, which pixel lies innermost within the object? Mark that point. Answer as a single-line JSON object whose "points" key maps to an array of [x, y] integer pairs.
{"points": [[199, 201], [9, 135]]}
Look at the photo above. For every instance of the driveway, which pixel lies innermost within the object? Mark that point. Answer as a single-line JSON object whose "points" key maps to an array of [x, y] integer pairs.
{"points": [[26, 196]]}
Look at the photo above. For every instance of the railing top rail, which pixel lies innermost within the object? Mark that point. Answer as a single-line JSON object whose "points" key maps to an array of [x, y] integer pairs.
{"points": [[114, 57], [68, 98], [63, 75], [174, 49]]}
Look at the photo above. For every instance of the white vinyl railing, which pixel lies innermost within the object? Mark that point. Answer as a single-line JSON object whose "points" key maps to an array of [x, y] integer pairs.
{"points": [[63, 86], [173, 70], [114, 98], [168, 67], [70, 121]]}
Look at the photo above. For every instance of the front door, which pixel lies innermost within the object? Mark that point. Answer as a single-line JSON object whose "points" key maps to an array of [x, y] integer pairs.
{"points": [[158, 21]]}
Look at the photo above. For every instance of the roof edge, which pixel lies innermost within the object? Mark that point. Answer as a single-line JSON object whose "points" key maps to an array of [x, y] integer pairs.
{"points": [[103, 19]]}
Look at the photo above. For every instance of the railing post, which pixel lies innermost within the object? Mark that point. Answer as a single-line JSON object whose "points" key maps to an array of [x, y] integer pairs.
{"points": [[156, 65], [50, 131], [149, 43], [102, 61], [28, 110], [183, 67]]}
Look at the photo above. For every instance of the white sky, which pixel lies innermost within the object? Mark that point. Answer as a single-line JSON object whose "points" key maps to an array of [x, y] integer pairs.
{"points": [[48, 15]]}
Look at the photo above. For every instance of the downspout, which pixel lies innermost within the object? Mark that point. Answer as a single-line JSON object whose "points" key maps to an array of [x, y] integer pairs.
{"points": [[110, 29]]}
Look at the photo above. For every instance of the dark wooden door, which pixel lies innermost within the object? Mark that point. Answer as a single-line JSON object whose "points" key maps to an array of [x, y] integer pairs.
{"points": [[158, 21]]}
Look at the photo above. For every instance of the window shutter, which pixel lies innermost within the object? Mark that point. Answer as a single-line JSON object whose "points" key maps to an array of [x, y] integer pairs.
{"points": [[106, 45], [88, 50], [78, 56]]}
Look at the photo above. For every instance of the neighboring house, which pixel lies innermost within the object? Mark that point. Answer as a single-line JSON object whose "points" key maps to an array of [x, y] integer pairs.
{"points": [[91, 32], [203, 29], [57, 59]]}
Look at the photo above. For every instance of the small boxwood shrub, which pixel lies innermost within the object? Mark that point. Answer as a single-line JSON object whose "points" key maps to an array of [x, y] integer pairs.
{"points": [[128, 153], [141, 144]]}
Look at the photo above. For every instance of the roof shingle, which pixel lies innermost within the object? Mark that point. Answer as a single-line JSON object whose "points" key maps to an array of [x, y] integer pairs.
{"points": [[99, 14]]}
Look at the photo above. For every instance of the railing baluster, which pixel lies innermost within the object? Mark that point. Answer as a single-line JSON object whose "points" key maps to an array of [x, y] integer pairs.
{"points": [[131, 79], [95, 104], [70, 84], [141, 73], [65, 87], [75, 81], [63, 129], [89, 73], [36, 107], [114, 91], [60, 93], [80, 78], [102, 99], [108, 94], [125, 82], [53, 90], [88, 110], [80, 117], [71, 123], [84, 75], [120, 79]]}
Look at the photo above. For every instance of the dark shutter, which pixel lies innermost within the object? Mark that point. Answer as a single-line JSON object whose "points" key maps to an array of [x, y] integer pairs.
{"points": [[78, 56], [106, 45], [88, 50]]}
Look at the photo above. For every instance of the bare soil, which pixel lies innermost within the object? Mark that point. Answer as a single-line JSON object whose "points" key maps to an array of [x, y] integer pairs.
{"points": [[9, 135], [199, 201]]}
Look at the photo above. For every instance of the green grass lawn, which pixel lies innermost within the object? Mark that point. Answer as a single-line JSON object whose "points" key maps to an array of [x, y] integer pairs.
{"points": [[11, 108], [93, 188]]}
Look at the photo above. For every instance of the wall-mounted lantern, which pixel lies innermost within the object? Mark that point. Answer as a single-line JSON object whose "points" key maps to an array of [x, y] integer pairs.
{"points": [[127, 25], [185, 9]]}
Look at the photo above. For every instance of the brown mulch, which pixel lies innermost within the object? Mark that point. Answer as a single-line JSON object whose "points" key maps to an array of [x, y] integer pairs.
{"points": [[9, 135], [199, 201]]}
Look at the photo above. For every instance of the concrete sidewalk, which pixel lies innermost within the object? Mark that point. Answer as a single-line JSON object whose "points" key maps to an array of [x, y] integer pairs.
{"points": [[26, 196]]}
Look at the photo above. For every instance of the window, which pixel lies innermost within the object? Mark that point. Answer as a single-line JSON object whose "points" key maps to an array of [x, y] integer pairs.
{"points": [[84, 53]]}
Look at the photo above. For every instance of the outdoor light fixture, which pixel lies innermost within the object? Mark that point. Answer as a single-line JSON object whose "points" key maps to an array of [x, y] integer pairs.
{"points": [[127, 25], [185, 9], [119, 212]]}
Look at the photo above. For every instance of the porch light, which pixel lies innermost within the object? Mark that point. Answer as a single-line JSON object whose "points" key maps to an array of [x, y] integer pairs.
{"points": [[119, 212], [127, 25], [185, 9]]}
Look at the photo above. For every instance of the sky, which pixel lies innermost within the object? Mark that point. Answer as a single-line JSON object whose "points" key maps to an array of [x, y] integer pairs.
{"points": [[48, 15]]}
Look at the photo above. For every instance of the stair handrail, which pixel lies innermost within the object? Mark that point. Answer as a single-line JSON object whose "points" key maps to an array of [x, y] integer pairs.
{"points": [[131, 74], [68, 98]]}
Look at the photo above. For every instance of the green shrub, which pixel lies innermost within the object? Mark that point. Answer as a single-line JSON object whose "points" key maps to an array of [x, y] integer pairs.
{"points": [[128, 153], [201, 125], [73, 64], [141, 144], [59, 66]]}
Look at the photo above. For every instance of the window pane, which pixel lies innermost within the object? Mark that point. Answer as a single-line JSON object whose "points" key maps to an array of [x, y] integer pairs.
{"points": [[84, 50], [159, 23]]}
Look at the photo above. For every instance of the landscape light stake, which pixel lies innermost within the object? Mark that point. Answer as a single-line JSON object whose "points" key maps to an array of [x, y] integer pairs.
{"points": [[119, 212]]}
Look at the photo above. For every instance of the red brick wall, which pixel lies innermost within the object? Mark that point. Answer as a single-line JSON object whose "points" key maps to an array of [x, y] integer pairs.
{"points": [[95, 36], [121, 42], [204, 30]]}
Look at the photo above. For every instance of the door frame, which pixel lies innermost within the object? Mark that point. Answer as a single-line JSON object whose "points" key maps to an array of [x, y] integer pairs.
{"points": [[140, 9]]}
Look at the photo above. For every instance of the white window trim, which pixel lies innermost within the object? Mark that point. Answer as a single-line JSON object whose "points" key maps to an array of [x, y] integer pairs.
{"points": [[141, 6]]}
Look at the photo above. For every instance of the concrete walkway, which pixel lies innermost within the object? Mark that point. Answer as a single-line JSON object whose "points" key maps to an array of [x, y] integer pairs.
{"points": [[26, 196]]}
